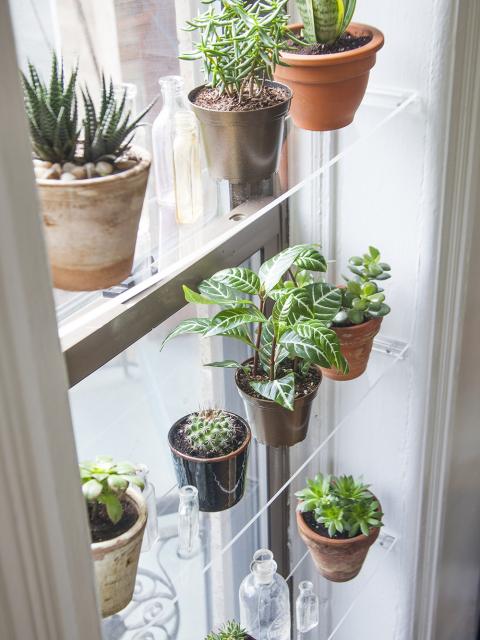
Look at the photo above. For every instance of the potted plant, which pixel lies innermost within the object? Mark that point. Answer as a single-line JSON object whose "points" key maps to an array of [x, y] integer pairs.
{"points": [[210, 452], [328, 72], [339, 519], [362, 310], [90, 181], [117, 515], [241, 111], [230, 631], [279, 382]]}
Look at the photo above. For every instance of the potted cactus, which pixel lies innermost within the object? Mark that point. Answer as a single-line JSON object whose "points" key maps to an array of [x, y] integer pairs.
{"points": [[241, 111], [328, 72], [210, 452], [339, 519], [279, 382], [91, 182], [230, 631], [117, 515]]}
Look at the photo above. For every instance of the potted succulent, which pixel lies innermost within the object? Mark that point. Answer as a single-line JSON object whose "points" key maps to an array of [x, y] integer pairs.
{"points": [[339, 519], [117, 515], [240, 109], [90, 181], [230, 631], [279, 382], [328, 72], [362, 310], [210, 452]]}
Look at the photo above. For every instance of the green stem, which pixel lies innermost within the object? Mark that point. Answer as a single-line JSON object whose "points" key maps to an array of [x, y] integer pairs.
{"points": [[272, 359], [259, 336], [292, 277]]}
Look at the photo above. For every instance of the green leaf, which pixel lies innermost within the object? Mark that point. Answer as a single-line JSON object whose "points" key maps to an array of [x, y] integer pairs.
{"points": [[226, 364], [240, 278], [192, 325], [281, 391], [229, 319], [92, 489], [125, 467], [117, 484], [326, 340], [305, 348], [305, 8], [312, 260], [272, 270], [326, 301], [114, 507], [198, 298], [266, 343], [219, 292]]}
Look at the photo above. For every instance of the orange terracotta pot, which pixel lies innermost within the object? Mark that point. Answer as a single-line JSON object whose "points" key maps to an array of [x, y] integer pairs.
{"points": [[338, 560], [328, 89], [356, 345]]}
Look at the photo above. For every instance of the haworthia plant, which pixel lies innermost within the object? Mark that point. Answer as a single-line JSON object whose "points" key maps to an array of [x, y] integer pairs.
{"points": [[324, 21]]}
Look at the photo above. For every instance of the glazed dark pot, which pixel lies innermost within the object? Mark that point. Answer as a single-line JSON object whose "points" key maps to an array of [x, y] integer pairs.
{"points": [[274, 425], [220, 481], [242, 146]]}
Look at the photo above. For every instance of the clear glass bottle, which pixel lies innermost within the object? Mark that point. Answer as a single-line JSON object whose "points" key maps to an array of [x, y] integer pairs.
{"points": [[265, 600], [187, 169], [306, 607], [188, 522], [151, 529]]}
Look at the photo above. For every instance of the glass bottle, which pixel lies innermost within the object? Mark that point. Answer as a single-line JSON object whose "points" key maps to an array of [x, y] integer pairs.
{"points": [[188, 519], [306, 608], [151, 528], [265, 600], [187, 170]]}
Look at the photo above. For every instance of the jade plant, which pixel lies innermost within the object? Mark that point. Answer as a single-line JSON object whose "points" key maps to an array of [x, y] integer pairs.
{"points": [[210, 431], [230, 631], [105, 482], [285, 341], [341, 505], [324, 21]]}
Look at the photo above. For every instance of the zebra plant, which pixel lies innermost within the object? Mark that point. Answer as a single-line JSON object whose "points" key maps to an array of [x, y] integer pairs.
{"points": [[285, 342], [324, 21]]}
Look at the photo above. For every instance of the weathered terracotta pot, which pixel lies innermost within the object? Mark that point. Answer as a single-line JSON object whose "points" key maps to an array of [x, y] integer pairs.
{"points": [[338, 560], [356, 345], [328, 89], [91, 226], [116, 561]]}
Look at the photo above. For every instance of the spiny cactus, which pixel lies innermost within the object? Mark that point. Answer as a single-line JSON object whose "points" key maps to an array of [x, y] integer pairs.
{"points": [[230, 631], [210, 431]]}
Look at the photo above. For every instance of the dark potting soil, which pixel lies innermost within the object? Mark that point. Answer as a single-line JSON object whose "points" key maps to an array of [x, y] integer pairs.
{"points": [[208, 98], [101, 527], [320, 529], [181, 444], [346, 42], [303, 384]]}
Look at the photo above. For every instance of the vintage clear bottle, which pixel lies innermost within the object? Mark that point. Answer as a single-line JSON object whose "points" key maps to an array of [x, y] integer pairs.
{"points": [[151, 529], [307, 606], [187, 169], [188, 522]]}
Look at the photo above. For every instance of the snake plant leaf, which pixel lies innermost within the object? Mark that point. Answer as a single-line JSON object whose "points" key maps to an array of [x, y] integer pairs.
{"points": [[239, 278], [192, 325], [349, 11], [312, 260], [326, 301], [305, 348], [328, 16], [326, 340], [229, 319], [305, 8], [281, 391]]}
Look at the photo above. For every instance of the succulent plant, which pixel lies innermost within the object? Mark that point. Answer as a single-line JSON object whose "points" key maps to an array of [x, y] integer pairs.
{"points": [[105, 482], [341, 504], [324, 21], [52, 112], [210, 431], [230, 631]]}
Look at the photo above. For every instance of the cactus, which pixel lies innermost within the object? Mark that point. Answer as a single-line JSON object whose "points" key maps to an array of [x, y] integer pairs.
{"points": [[210, 431], [230, 631], [324, 21]]}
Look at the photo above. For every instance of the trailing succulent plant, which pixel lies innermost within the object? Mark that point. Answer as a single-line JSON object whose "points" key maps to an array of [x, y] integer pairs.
{"points": [[288, 341], [240, 44], [324, 21], [210, 431], [363, 298], [105, 482], [230, 631], [341, 505]]}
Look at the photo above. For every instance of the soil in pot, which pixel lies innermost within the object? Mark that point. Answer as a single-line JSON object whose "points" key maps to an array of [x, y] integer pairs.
{"points": [[347, 42], [102, 528], [209, 98]]}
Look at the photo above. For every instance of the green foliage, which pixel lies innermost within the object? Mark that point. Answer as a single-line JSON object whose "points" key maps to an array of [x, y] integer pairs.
{"points": [[239, 44], [105, 482], [341, 504], [324, 21], [210, 431], [52, 112], [230, 631]]}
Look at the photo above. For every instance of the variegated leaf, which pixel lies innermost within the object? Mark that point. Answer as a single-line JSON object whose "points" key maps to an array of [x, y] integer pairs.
{"points": [[312, 260], [326, 339], [239, 278], [229, 319], [225, 364], [192, 325], [326, 301], [240, 333], [305, 8], [304, 348], [272, 270], [266, 343], [220, 293], [281, 391]]}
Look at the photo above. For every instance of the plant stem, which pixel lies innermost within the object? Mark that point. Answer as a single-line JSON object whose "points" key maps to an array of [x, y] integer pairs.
{"points": [[292, 277], [272, 359], [259, 336]]}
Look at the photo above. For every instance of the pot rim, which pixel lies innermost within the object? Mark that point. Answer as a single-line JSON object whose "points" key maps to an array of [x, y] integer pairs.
{"points": [[140, 167], [343, 57], [227, 456], [359, 328], [108, 545], [236, 113]]}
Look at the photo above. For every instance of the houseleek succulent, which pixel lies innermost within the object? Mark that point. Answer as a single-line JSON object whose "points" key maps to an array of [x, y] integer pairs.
{"points": [[324, 21], [230, 631]]}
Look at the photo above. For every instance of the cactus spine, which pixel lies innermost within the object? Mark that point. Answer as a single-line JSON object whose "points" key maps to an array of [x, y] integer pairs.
{"points": [[210, 431]]}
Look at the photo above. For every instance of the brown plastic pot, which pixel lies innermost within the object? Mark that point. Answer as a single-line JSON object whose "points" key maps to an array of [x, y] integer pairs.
{"points": [[274, 425], [328, 89], [356, 345], [91, 226], [338, 560]]}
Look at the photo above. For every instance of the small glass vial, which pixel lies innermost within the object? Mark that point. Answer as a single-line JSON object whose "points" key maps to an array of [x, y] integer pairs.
{"points": [[188, 522], [306, 608], [151, 529], [187, 169]]}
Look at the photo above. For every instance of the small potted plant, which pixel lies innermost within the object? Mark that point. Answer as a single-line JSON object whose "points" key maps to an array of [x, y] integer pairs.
{"points": [[230, 631], [210, 452], [328, 72], [117, 515], [241, 111], [279, 382], [90, 181], [362, 310], [339, 519]]}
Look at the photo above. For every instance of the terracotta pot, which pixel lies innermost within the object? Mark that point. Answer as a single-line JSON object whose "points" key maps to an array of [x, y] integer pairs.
{"points": [[356, 345], [274, 425], [338, 560], [220, 481], [242, 146], [116, 561], [328, 89], [91, 226]]}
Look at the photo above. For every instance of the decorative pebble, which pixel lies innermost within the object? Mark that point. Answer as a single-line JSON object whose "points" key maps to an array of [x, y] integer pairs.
{"points": [[54, 172], [122, 165], [90, 169], [79, 172], [68, 167], [40, 172], [67, 177], [44, 164], [103, 168]]}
